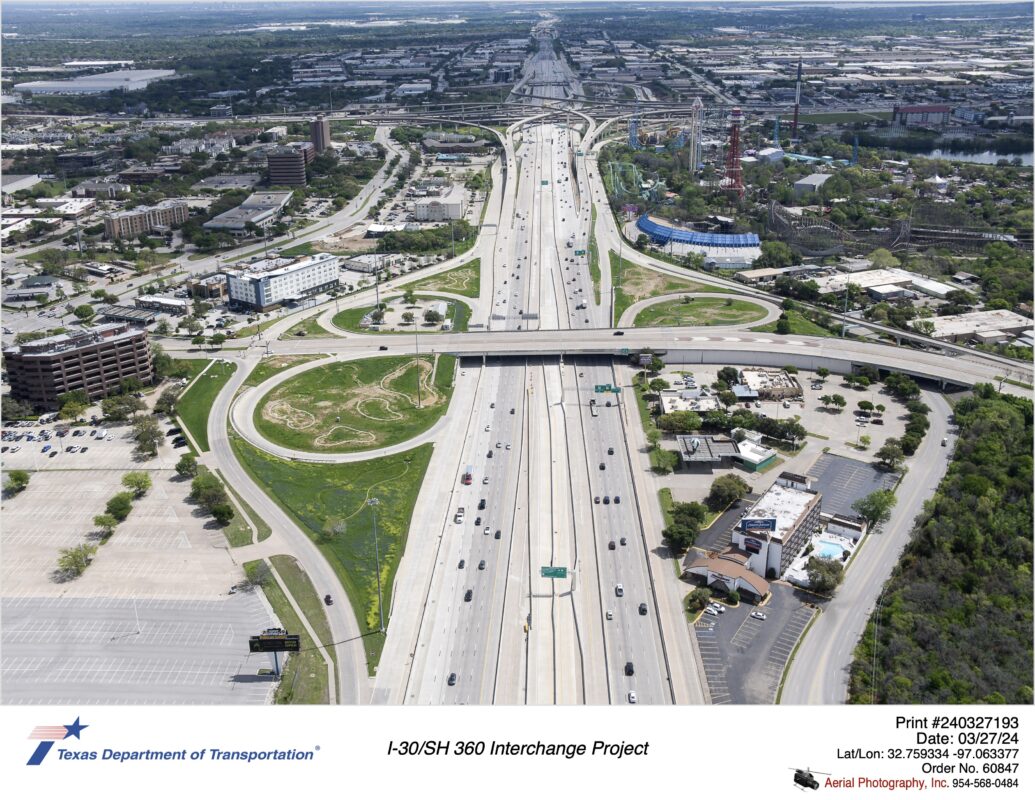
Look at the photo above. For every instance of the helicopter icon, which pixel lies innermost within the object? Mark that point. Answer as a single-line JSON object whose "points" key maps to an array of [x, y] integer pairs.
{"points": [[805, 778]]}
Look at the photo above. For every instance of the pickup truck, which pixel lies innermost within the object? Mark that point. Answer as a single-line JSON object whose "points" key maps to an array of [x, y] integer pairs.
{"points": [[459, 515]]}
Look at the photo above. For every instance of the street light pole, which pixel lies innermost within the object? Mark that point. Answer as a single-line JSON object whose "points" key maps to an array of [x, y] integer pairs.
{"points": [[416, 354], [373, 502]]}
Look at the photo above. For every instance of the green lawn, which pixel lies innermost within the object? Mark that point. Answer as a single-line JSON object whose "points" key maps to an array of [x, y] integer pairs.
{"points": [[307, 598], [193, 406], [594, 257], [634, 283], [328, 502], [350, 318], [263, 529], [304, 677], [699, 311], [800, 326], [188, 368], [310, 326], [356, 405], [237, 532], [665, 500], [251, 330], [145, 259], [464, 280], [273, 365]]}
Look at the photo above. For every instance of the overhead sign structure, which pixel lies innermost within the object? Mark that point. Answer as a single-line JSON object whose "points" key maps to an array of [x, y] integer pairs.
{"points": [[616, 390], [580, 252], [602, 388], [761, 524], [553, 572], [274, 640]]}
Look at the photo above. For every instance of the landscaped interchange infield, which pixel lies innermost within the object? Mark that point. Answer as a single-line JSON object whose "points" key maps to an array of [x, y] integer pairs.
{"points": [[357, 405], [693, 311]]}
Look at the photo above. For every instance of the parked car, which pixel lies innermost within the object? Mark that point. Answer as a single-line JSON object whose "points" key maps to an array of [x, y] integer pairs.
{"points": [[758, 615]]}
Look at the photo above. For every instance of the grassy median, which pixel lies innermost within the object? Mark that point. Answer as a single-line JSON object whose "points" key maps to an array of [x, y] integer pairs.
{"points": [[193, 406], [329, 503], [273, 365], [464, 280], [699, 311]]}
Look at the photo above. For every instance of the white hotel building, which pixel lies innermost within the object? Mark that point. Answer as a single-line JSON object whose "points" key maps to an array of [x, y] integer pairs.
{"points": [[274, 281]]}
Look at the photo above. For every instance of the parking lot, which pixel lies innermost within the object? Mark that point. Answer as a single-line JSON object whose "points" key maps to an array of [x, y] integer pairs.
{"points": [[843, 480], [113, 453], [744, 657]]}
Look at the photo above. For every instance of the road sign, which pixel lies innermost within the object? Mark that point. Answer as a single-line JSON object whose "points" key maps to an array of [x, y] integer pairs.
{"points": [[625, 351], [553, 572], [616, 389], [274, 640], [579, 153], [580, 252], [600, 388], [544, 183], [646, 359]]}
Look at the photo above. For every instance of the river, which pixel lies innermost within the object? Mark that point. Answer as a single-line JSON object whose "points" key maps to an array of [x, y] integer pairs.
{"points": [[987, 157]]}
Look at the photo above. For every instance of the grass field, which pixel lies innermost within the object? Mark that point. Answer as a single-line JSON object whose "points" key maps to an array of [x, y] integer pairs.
{"points": [[188, 368], [800, 326], [251, 330], [264, 531], [273, 365], [310, 326], [307, 598], [594, 256], [304, 677], [193, 406], [357, 405], [350, 318], [634, 283], [464, 280], [329, 503], [699, 311]]}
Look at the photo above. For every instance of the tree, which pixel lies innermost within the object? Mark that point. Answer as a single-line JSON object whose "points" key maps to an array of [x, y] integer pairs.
{"points": [[864, 441], [71, 410], [432, 316], [17, 481], [187, 466], [147, 434], [727, 398], [198, 340], [775, 255], [207, 491], [924, 326], [658, 384], [410, 297], [876, 507], [166, 402], [729, 375], [890, 454], [73, 561], [783, 325], [139, 482], [725, 491], [223, 513], [865, 405], [880, 408], [408, 317], [84, 312], [686, 524], [217, 339], [883, 259], [121, 407], [698, 599], [163, 328], [838, 401], [14, 409], [106, 524], [119, 506], [825, 575], [823, 373], [680, 422]]}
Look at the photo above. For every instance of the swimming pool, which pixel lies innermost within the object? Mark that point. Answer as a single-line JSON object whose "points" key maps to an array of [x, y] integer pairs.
{"points": [[831, 550]]}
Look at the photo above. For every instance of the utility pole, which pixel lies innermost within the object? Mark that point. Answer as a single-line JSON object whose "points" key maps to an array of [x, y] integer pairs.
{"points": [[373, 502]]}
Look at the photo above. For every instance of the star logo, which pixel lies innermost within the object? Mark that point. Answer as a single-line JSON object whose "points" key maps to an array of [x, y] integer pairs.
{"points": [[48, 734]]}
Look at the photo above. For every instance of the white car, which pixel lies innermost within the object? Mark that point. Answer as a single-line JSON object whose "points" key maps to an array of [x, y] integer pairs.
{"points": [[485, 479], [487, 427], [758, 615], [719, 609], [619, 590], [632, 697], [610, 614], [712, 611]]}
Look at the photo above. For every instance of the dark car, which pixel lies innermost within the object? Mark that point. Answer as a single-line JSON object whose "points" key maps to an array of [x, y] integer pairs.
{"points": [[452, 679], [643, 609], [629, 668], [468, 595], [618, 499], [83, 449], [489, 454], [477, 520], [498, 533], [597, 499], [607, 500], [481, 564], [623, 541], [610, 451], [481, 504], [383, 347], [511, 411], [602, 465], [461, 564], [173, 431], [611, 545], [327, 601], [618, 333]]}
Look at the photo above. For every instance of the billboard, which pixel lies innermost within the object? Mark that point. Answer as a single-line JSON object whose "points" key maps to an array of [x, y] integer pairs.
{"points": [[274, 640], [758, 524], [752, 545]]}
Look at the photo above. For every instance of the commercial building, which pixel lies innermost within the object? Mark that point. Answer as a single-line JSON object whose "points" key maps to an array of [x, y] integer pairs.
{"points": [[208, 287], [320, 133], [923, 116], [221, 110], [369, 262], [271, 282], [450, 206], [106, 190], [95, 360], [261, 209], [177, 306], [128, 80], [770, 384], [134, 316], [989, 326], [286, 166], [141, 174], [776, 529], [145, 219], [726, 573], [810, 184]]}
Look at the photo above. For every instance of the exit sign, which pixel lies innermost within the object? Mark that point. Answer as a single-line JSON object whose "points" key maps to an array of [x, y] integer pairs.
{"points": [[553, 572]]}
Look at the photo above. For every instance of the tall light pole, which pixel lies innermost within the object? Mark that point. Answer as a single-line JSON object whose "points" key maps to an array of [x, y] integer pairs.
{"points": [[374, 502], [416, 356]]}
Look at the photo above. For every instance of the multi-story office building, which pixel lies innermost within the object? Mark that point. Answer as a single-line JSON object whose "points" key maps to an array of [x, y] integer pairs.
{"points": [[320, 133], [440, 209], [273, 281], [286, 166], [95, 360], [144, 219]]}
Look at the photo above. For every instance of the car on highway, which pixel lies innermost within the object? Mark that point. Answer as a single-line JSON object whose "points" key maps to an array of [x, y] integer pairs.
{"points": [[596, 499], [461, 564], [498, 534], [328, 600], [487, 428], [607, 500], [610, 614], [383, 347], [619, 590], [481, 564], [603, 465], [452, 679], [488, 454], [618, 333], [481, 504], [643, 609], [623, 541], [758, 615], [468, 595], [611, 545], [632, 698], [618, 499], [610, 451], [485, 479], [485, 531], [499, 445], [629, 669]]}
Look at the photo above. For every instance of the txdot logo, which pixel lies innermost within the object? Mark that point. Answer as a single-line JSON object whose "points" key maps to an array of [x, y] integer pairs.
{"points": [[48, 734]]}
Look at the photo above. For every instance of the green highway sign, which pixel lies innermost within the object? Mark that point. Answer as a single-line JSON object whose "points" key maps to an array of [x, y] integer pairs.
{"points": [[625, 351], [600, 388], [544, 183], [580, 252], [579, 153], [553, 572], [616, 389]]}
